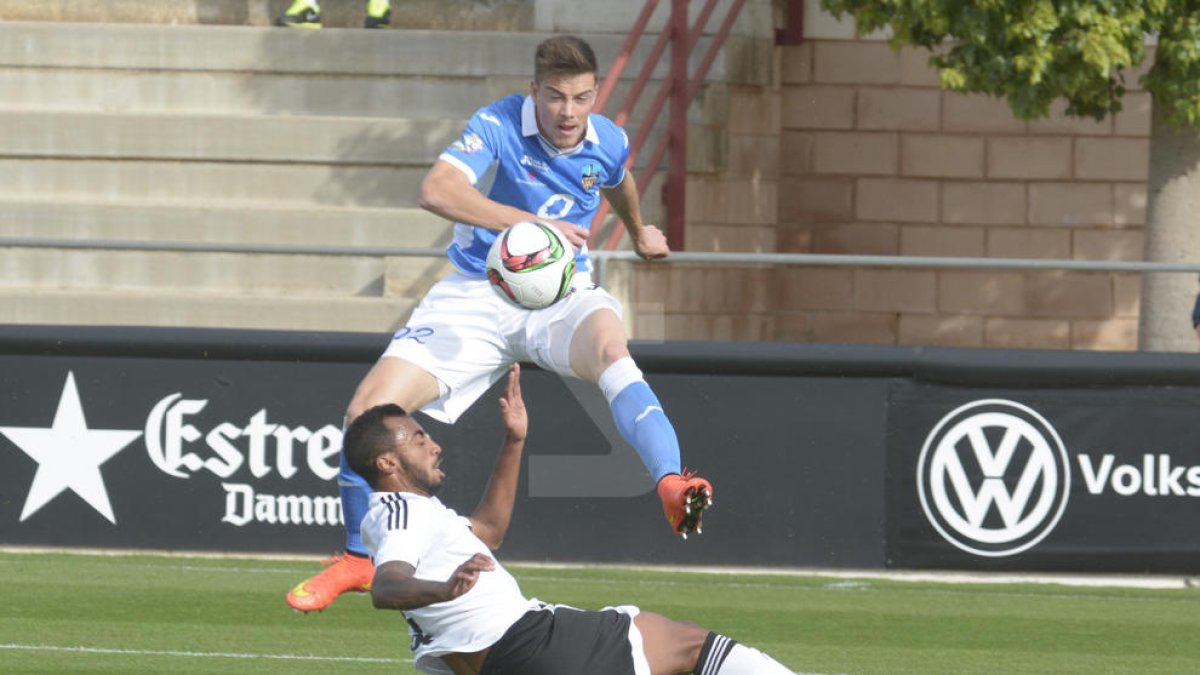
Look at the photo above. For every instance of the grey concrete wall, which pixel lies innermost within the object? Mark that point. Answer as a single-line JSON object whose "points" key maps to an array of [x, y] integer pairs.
{"points": [[504, 15]]}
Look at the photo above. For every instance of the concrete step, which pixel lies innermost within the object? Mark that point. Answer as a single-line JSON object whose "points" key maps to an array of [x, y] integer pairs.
{"points": [[241, 224], [563, 16], [209, 182], [222, 69], [252, 49], [415, 53], [259, 138], [435, 14], [197, 93], [25, 305], [233, 93], [242, 274], [332, 140]]}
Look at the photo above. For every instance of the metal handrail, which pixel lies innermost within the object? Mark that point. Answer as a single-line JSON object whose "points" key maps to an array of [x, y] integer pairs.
{"points": [[622, 60], [680, 90], [221, 247], [604, 258]]}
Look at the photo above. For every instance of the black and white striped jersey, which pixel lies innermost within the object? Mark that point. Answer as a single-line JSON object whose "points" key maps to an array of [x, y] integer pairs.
{"points": [[423, 532]]}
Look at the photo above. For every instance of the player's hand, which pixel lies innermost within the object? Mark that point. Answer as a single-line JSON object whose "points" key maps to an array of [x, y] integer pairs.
{"points": [[467, 574], [651, 243], [512, 407], [576, 234]]}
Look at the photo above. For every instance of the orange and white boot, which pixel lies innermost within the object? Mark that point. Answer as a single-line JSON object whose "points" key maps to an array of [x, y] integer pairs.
{"points": [[343, 572]]}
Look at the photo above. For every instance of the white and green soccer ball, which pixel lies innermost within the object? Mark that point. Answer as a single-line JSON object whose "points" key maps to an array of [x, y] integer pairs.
{"points": [[531, 264]]}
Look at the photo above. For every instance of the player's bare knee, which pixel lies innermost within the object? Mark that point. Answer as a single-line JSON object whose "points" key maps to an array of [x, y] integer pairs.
{"points": [[393, 380], [670, 646], [691, 642], [364, 399], [613, 351]]}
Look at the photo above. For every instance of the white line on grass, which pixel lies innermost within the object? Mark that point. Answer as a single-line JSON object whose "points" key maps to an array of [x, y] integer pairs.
{"points": [[935, 576], [853, 585], [222, 655], [202, 655]]}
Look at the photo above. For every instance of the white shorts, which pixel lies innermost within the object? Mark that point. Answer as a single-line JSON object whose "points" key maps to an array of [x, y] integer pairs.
{"points": [[466, 336]]}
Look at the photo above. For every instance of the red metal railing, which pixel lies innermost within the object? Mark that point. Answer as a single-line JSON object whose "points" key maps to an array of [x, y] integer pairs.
{"points": [[679, 89]]}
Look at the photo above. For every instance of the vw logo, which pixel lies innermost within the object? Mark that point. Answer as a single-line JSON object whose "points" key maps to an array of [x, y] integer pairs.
{"points": [[993, 477]]}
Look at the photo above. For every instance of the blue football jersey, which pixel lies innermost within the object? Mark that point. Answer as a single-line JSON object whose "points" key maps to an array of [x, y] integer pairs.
{"points": [[531, 174]]}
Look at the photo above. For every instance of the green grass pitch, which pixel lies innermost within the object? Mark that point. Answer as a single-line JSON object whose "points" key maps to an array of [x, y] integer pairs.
{"points": [[72, 613]]}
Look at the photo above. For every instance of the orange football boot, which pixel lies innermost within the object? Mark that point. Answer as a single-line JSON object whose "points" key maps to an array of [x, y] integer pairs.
{"points": [[343, 572], [684, 498]]}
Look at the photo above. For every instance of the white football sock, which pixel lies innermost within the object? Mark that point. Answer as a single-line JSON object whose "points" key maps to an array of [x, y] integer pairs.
{"points": [[724, 656]]}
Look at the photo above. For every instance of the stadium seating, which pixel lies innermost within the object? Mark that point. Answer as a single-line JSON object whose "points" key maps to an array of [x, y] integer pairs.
{"points": [[222, 134]]}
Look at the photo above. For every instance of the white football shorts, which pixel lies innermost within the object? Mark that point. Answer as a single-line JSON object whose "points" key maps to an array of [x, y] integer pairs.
{"points": [[466, 336]]}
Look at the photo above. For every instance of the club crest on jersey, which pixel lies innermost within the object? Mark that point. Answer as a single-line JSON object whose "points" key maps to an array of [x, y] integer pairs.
{"points": [[469, 143], [591, 173]]}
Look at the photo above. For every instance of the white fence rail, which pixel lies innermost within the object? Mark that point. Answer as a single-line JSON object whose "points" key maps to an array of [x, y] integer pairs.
{"points": [[604, 258]]}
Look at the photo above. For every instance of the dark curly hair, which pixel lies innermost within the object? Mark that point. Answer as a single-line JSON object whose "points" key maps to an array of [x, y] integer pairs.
{"points": [[368, 437]]}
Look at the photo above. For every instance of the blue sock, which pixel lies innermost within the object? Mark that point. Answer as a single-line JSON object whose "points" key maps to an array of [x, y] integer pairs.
{"points": [[355, 495], [644, 425]]}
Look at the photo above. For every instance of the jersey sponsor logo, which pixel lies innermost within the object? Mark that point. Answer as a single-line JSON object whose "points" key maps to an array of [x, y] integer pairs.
{"points": [[589, 175], [469, 143], [993, 477], [536, 164]]}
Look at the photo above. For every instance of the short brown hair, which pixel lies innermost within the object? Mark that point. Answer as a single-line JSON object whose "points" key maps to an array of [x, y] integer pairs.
{"points": [[563, 55]]}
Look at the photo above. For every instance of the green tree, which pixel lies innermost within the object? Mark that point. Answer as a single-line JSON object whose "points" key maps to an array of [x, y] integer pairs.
{"points": [[1032, 52]]}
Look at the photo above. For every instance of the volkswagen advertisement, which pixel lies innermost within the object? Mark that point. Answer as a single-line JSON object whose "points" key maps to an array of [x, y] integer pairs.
{"points": [[1042, 479]]}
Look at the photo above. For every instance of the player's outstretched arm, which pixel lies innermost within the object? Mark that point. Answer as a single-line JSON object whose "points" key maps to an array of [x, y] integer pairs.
{"points": [[494, 513], [648, 241], [448, 192], [394, 586]]}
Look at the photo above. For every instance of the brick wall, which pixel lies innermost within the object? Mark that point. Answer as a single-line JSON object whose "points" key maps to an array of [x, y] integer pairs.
{"points": [[882, 161], [732, 206], [854, 149]]}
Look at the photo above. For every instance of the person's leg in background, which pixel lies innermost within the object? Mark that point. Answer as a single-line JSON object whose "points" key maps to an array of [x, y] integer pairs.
{"points": [[307, 14], [391, 380], [379, 14], [301, 14]]}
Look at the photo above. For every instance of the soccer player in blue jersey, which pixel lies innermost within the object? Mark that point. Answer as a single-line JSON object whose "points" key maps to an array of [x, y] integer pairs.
{"points": [[553, 160]]}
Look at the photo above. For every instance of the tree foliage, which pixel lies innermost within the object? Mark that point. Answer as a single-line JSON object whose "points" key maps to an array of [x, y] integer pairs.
{"points": [[1032, 52]]}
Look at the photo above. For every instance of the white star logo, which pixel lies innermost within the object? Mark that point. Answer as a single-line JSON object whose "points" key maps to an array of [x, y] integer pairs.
{"points": [[69, 455]]}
